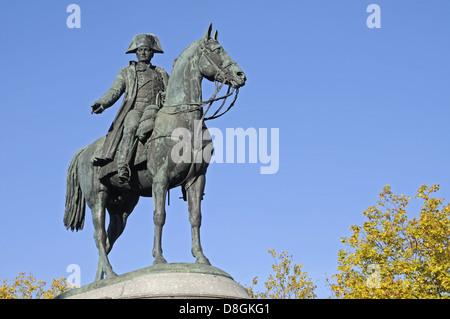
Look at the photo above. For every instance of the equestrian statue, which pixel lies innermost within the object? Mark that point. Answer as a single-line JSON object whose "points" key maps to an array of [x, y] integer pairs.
{"points": [[136, 157]]}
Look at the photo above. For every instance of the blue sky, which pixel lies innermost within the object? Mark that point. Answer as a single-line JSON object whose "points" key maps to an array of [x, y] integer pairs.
{"points": [[356, 109]]}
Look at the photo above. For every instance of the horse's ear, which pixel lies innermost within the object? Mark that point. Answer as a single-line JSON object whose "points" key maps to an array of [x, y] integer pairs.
{"points": [[207, 34], [216, 36]]}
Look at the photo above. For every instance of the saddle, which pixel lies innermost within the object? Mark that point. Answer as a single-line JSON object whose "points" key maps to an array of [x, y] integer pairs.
{"points": [[138, 154], [138, 159]]}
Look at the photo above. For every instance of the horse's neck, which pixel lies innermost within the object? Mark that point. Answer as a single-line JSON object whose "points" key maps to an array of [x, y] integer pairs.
{"points": [[184, 89], [185, 82]]}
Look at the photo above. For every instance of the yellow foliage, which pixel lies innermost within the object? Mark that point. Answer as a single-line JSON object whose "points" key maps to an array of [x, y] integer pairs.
{"points": [[390, 256], [26, 287], [287, 282]]}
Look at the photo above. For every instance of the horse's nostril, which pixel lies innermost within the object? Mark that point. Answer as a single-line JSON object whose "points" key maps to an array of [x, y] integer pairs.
{"points": [[241, 75]]}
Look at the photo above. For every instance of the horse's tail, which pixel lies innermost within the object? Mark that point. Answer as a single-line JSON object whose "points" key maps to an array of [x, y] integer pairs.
{"points": [[75, 200]]}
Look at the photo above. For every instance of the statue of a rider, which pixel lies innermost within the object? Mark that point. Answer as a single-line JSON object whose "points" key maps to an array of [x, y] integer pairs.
{"points": [[143, 86]]}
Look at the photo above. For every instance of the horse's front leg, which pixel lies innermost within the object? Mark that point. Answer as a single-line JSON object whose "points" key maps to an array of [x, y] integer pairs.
{"points": [[159, 190], [194, 197]]}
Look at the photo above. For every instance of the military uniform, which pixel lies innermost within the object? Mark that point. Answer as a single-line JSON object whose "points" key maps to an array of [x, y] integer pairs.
{"points": [[150, 83], [141, 84]]}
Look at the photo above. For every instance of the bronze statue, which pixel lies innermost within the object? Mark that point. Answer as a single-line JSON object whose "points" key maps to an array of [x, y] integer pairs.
{"points": [[142, 84], [153, 171]]}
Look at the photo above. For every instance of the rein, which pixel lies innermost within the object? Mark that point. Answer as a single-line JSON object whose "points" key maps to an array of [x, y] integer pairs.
{"points": [[210, 101]]}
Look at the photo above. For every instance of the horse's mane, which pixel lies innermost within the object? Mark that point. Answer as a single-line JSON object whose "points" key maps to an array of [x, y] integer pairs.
{"points": [[184, 51]]}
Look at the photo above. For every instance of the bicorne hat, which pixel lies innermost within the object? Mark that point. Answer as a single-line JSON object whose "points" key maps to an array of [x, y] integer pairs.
{"points": [[145, 39]]}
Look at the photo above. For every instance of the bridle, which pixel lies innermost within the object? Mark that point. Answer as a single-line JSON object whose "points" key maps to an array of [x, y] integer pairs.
{"points": [[222, 74]]}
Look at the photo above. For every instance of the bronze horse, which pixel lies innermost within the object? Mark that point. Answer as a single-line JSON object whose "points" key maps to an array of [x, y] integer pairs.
{"points": [[183, 107]]}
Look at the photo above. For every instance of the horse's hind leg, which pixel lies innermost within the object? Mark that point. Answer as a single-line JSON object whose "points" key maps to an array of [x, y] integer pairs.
{"points": [[194, 197], [119, 209], [98, 217]]}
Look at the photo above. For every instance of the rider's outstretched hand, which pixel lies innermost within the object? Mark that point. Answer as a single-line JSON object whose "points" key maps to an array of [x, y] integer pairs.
{"points": [[97, 108]]}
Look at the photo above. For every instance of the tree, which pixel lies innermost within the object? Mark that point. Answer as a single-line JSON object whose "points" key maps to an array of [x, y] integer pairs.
{"points": [[26, 287], [393, 257], [288, 282]]}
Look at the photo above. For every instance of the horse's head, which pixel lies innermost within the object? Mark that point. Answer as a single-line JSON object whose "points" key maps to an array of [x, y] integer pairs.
{"points": [[216, 65]]}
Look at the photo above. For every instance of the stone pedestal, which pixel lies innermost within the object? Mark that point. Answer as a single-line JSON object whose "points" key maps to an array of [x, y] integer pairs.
{"points": [[178, 280]]}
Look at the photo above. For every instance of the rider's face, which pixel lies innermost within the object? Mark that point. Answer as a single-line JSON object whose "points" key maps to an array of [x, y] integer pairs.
{"points": [[144, 54]]}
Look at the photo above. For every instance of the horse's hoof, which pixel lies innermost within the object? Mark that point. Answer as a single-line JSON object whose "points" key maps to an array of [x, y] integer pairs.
{"points": [[203, 260], [159, 260], [97, 279]]}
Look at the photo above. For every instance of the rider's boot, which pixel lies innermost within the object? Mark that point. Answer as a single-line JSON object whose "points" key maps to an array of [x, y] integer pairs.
{"points": [[125, 146]]}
